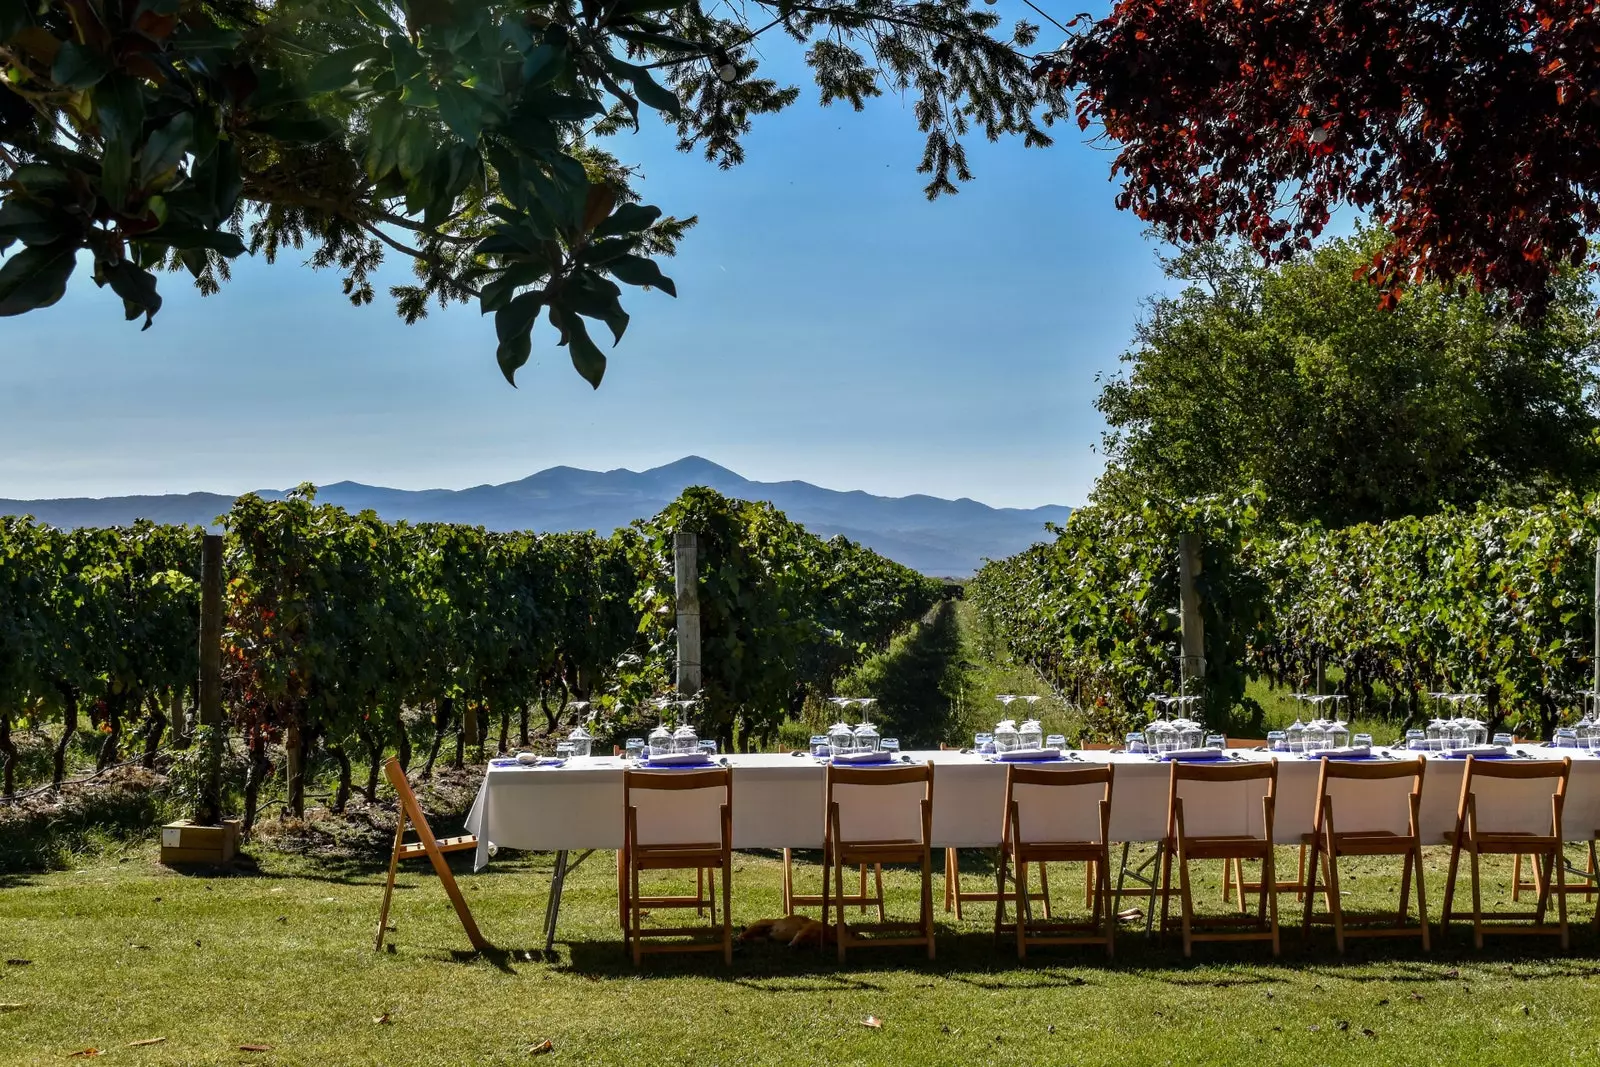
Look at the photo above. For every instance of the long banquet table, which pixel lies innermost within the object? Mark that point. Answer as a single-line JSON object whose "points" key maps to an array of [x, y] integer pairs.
{"points": [[778, 801]]}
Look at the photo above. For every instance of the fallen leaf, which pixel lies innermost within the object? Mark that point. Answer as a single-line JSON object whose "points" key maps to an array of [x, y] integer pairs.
{"points": [[541, 1048], [1452, 973], [873, 1022], [18, 963], [1382, 1001], [131, 945], [1051, 1028], [1368, 1032], [255, 1048], [157, 900], [1341, 1025], [1416, 996], [83, 1053], [12, 1007], [146, 1041], [1525, 1009], [1313, 1028], [382, 1020], [283, 918]]}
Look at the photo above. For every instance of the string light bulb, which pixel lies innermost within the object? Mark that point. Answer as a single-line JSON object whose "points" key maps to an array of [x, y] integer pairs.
{"points": [[727, 73], [1320, 135]]}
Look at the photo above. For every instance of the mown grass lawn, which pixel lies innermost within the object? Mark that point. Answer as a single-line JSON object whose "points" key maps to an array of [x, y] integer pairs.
{"points": [[122, 950]]}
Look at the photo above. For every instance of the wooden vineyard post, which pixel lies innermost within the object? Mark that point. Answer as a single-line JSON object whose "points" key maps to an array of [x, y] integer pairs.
{"points": [[210, 695], [1192, 626], [1595, 690], [686, 582]]}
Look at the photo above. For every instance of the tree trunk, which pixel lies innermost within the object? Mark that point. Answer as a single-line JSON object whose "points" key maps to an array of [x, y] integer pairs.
{"points": [[505, 731], [181, 724], [402, 741], [461, 744], [113, 735], [374, 761], [522, 725], [8, 748], [470, 716], [443, 712], [260, 768], [69, 726], [342, 797], [294, 750], [152, 738]]}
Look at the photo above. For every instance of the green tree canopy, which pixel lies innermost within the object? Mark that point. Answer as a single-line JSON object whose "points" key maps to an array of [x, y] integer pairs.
{"points": [[462, 134], [1294, 379]]}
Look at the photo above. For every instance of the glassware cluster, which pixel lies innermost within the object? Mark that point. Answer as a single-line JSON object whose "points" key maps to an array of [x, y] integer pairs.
{"points": [[1321, 733], [1009, 737], [1173, 729], [842, 739], [1450, 729]]}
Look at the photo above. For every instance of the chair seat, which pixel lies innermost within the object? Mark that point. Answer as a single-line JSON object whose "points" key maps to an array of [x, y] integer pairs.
{"points": [[667, 857], [1058, 851], [879, 851], [1507, 842], [446, 844], [1225, 846], [1373, 843]]}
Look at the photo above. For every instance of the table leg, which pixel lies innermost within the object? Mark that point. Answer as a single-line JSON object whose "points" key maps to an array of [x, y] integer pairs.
{"points": [[552, 907]]}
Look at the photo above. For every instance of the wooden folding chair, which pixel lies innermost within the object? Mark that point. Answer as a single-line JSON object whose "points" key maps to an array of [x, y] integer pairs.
{"points": [[1057, 816], [874, 817], [1394, 833], [425, 845], [685, 823], [1484, 829], [1192, 782]]}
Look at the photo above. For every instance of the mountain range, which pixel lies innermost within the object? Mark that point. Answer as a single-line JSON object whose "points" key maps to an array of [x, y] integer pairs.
{"points": [[936, 536]]}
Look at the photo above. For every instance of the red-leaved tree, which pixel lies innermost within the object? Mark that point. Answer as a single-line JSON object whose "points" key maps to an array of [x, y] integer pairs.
{"points": [[1470, 129]]}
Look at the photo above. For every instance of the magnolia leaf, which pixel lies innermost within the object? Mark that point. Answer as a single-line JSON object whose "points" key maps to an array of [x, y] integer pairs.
{"points": [[636, 270], [78, 66], [36, 277]]}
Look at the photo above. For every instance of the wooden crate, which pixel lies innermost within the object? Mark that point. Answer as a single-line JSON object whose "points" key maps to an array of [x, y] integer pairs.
{"points": [[185, 842]]}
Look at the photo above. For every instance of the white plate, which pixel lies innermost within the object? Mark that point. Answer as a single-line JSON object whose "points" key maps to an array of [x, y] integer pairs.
{"points": [[1029, 755], [679, 759], [865, 757]]}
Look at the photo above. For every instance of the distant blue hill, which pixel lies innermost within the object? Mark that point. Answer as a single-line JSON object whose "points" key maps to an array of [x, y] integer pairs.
{"points": [[936, 536]]}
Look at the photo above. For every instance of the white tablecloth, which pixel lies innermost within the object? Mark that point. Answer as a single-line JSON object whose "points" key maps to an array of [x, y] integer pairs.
{"points": [[778, 801]]}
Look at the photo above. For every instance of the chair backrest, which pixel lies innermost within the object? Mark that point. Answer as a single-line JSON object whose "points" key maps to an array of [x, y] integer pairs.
{"points": [[408, 800], [1370, 797], [1098, 746], [1246, 742], [879, 803], [1057, 805], [1522, 796], [1220, 798], [680, 807]]}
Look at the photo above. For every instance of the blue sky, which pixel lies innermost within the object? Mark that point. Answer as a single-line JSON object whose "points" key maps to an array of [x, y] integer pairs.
{"points": [[831, 325]]}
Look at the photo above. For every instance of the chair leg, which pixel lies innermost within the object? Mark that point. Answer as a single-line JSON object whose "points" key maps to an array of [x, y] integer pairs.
{"points": [[1227, 881], [1309, 898], [1422, 899], [1089, 883], [927, 898], [1164, 861], [700, 893], [827, 877], [638, 913], [1024, 910], [1103, 869], [788, 884], [1450, 887], [1186, 902], [389, 885], [1335, 906], [1560, 865], [1000, 893], [952, 882], [1300, 878], [1405, 889], [1516, 878], [1477, 902], [1044, 888], [727, 910], [1269, 887], [839, 936], [877, 869]]}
